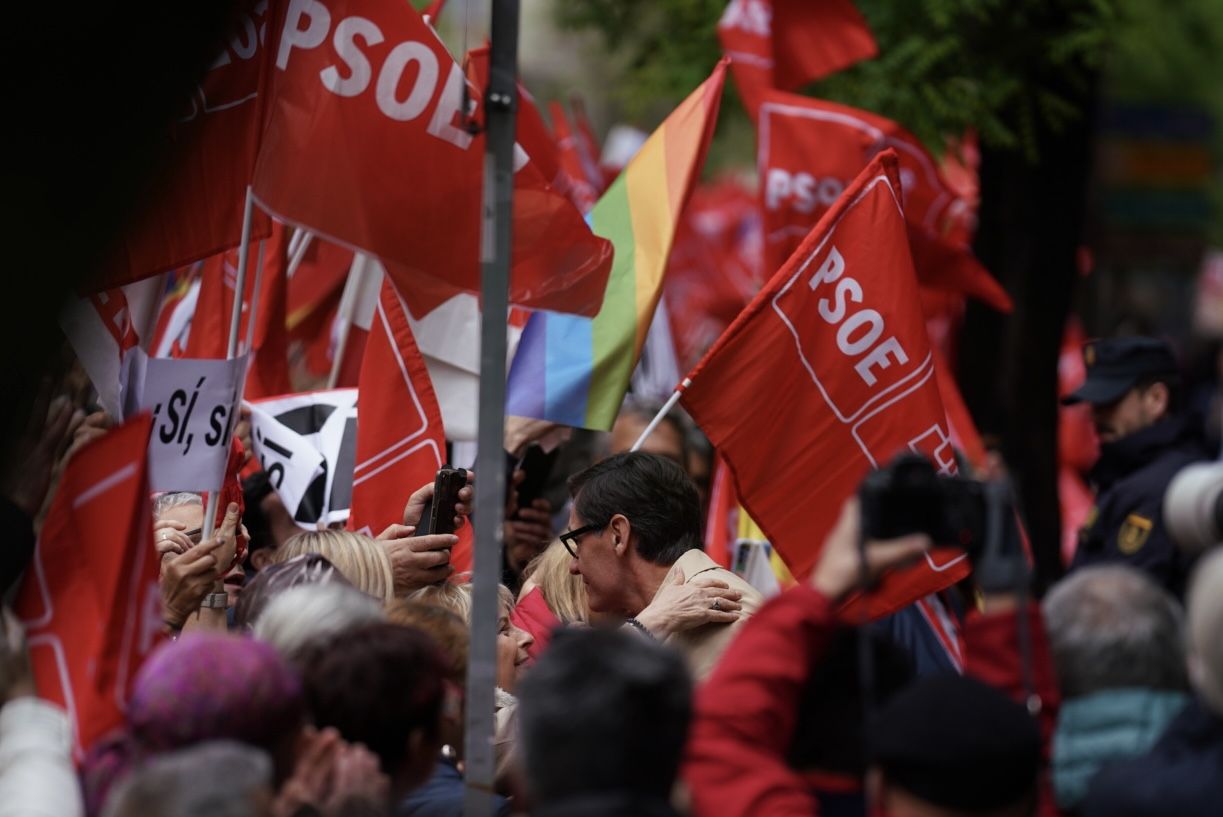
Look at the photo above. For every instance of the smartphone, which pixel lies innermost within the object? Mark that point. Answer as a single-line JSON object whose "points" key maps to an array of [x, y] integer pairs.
{"points": [[537, 465], [438, 515]]}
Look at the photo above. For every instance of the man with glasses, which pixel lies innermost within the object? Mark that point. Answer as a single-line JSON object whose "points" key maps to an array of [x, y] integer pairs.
{"points": [[635, 537]]}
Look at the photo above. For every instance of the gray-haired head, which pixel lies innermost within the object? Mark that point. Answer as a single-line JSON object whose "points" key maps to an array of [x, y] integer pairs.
{"points": [[174, 499], [215, 779], [1205, 626], [1112, 627], [308, 613]]}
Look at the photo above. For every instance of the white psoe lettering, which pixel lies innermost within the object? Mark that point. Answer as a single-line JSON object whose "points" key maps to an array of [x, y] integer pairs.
{"points": [[307, 23], [800, 191], [858, 333]]}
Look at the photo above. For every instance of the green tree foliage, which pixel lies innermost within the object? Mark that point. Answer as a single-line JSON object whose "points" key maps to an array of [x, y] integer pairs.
{"points": [[1003, 67]]}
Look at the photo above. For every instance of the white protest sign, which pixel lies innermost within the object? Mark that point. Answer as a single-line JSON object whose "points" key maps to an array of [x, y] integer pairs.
{"points": [[193, 403], [307, 445]]}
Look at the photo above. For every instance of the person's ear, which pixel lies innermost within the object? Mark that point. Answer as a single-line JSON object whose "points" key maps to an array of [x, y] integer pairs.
{"points": [[261, 558], [1156, 399], [621, 531]]}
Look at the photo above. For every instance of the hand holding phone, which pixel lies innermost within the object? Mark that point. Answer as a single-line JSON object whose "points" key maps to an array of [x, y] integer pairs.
{"points": [[439, 512]]}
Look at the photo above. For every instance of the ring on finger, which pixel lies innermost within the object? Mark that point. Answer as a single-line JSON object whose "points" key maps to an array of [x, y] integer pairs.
{"points": [[717, 604]]}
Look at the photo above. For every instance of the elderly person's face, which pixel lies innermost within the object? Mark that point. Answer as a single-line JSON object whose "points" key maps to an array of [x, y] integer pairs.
{"points": [[192, 517]]}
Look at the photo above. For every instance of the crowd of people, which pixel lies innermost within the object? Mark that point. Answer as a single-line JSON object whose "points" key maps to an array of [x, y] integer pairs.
{"points": [[322, 672]]}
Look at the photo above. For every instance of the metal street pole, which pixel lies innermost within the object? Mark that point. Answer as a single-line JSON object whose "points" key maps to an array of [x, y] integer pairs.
{"points": [[500, 107]]}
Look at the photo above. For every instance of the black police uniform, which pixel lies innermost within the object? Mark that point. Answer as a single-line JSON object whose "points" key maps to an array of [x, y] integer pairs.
{"points": [[1132, 474], [1126, 524]]}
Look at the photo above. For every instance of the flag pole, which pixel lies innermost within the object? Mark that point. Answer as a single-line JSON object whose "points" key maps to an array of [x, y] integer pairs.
{"points": [[500, 104], [662, 412], [250, 321], [348, 299], [235, 318], [298, 253]]}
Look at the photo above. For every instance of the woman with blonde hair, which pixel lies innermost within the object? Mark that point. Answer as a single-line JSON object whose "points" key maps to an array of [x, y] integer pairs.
{"points": [[359, 558], [563, 592]]}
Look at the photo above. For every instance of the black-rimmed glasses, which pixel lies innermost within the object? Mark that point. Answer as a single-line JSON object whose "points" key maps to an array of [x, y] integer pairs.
{"points": [[570, 537]]}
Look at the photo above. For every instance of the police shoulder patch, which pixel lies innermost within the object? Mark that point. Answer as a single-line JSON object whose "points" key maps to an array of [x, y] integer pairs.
{"points": [[1133, 534]]}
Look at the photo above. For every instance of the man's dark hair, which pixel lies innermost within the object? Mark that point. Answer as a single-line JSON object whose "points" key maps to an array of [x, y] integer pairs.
{"points": [[376, 685], [604, 712], [959, 744], [653, 492], [828, 735], [1171, 381]]}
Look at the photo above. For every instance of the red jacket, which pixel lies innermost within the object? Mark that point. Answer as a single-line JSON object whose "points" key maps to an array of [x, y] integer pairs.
{"points": [[747, 710]]}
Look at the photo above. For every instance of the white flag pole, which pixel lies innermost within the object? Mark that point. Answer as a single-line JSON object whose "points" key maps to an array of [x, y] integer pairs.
{"points": [[250, 321], [235, 319], [298, 252], [662, 412]]}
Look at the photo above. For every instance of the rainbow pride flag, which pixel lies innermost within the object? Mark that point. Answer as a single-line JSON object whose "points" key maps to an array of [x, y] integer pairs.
{"points": [[574, 370]]}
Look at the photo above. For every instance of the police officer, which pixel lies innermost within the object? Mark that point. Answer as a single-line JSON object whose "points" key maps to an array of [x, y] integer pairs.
{"points": [[1133, 386]]}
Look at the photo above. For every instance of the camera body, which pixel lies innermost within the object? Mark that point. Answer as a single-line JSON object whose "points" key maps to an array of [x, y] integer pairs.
{"points": [[909, 496]]}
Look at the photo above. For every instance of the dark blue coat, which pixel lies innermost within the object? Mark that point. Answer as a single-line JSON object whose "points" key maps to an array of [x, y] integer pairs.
{"points": [[1182, 776], [1126, 524], [442, 796]]}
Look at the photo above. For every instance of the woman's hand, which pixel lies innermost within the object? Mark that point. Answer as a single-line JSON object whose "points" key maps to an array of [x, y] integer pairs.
{"points": [[680, 606]]}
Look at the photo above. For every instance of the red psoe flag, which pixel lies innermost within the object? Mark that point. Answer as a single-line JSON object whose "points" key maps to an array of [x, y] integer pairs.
{"points": [[268, 372], [583, 191], [192, 208], [825, 375], [786, 44], [365, 144], [811, 149], [813, 40], [400, 439], [90, 601]]}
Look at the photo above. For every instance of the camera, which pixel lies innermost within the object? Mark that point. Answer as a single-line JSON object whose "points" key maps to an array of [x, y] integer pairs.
{"points": [[909, 496], [1193, 507]]}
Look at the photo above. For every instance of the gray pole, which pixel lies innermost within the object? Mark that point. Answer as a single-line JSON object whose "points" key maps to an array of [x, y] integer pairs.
{"points": [[500, 103]]}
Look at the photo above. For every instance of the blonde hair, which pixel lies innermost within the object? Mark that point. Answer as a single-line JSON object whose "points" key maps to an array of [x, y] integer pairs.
{"points": [[564, 593], [1205, 621], [359, 558], [456, 597]]}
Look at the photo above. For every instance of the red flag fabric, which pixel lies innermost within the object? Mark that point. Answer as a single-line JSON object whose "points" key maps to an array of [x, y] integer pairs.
{"points": [[173, 325], [826, 375], [193, 206], [722, 521], [532, 131], [582, 189], [813, 40], [99, 328], [90, 601], [434, 10], [1078, 447], [588, 143], [714, 267], [317, 282], [810, 149], [365, 144], [268, 371], [963, 429], [786, 44], [400, 439]]}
